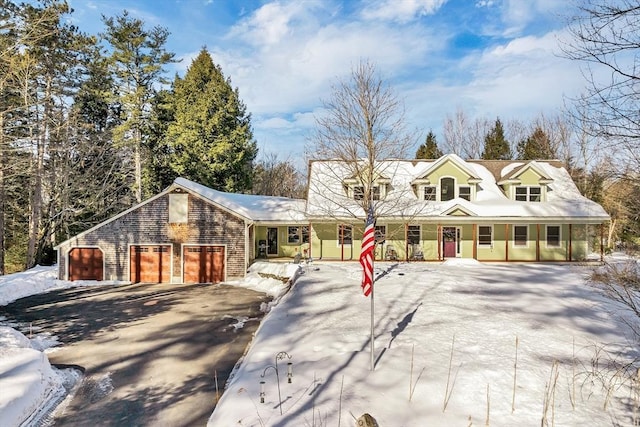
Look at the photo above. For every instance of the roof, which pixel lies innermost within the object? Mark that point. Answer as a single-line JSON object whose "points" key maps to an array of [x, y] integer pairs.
{"points": [[249, 206], [327, 198]]}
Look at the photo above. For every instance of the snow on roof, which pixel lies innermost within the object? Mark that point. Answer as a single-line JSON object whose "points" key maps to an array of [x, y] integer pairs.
{"points": [[252, 207], [327, 196]]}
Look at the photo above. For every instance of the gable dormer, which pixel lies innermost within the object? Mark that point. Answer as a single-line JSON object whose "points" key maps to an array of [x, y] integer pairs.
{"points": [[356, 187], [446, 179], [526, 183]]}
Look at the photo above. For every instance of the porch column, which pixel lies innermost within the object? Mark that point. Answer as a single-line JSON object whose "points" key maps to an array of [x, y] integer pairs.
{"points": [[538, 242], [601, 242], [570, 243], [506, 242], [439, 243], [406, 242], [474, 232]]}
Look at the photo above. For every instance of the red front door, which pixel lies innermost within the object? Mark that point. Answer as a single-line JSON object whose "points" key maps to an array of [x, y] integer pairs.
{"points": [[449, 242]]}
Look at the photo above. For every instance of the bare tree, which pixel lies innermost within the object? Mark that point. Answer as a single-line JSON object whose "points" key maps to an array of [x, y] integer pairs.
{"points": [[464, 136], [606, 40], [363, 125], [275, 177]]}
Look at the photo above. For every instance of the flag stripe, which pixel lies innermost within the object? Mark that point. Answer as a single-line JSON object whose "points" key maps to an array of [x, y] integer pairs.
{"points": [[366, 254]]}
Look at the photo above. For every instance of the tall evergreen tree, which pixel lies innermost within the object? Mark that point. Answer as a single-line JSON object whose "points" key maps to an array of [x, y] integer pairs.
{"points": [[496, 147], [138, 56], [210, 138], [429, 149], [536, 147]]}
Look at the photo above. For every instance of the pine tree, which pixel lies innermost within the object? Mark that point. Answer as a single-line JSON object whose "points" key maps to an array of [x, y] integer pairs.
{"points": [[429, 149], [496, 147], [536, 147], [210, 138], [137, 59]]}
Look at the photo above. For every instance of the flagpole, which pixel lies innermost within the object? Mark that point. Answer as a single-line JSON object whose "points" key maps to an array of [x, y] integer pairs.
{"points": [[373, 280]]}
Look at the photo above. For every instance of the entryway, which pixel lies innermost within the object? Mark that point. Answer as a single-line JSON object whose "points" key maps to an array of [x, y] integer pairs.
{"points": [[451, 242]]}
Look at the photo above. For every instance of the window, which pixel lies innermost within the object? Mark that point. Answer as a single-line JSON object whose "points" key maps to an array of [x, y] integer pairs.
{"points": [[178, 208], [447, 189], [381, 233], [345, 234], [465, 192], [413, 234], [520, 235], [298, 234], [528, 194], [430, 193], [485, 235], [553, 236], [358, 192]]}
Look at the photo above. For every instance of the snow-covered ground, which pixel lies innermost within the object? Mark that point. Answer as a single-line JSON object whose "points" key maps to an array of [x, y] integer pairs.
{"points": [[459, 343]]}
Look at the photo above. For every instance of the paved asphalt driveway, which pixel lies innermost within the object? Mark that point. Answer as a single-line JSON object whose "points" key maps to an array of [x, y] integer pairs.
{"points": [[150, 352]]}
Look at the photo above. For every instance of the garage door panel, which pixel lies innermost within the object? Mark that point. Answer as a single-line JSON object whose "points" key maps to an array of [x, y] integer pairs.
{"points": [[150, 264], [86, 264], [204, 264]]}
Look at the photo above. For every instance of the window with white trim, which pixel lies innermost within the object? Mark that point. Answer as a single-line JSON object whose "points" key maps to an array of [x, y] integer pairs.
{"points": [[485, 235], [381, 233], [298, 234], [430, 193], [520, 235], [345, 234], [553, 236], [358, 192], [464, 192], [528, 194], [447, 189]]}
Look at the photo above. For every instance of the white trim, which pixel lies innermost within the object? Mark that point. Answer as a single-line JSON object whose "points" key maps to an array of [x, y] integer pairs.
{"points": [[130, 245], [226, 257], [455, 187]]}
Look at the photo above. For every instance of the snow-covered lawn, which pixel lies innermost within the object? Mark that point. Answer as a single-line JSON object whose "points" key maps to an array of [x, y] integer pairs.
{"points": [[451, 340]]}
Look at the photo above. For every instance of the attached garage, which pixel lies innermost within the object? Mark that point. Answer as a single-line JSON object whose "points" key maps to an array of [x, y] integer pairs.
{"points": [[86, 264], [204, 264], [150, 264]]}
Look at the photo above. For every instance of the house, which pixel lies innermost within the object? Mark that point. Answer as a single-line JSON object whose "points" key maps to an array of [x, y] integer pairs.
{"points": [[425, 210], [449, 207], [188, 233]]}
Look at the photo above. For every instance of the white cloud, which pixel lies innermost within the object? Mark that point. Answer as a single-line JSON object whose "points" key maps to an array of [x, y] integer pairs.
{"points": [[401, 11]]}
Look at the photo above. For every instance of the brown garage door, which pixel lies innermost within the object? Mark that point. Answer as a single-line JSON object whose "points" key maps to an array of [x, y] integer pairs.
{"points": [[203, 264], [150, 264], [85, 264]]}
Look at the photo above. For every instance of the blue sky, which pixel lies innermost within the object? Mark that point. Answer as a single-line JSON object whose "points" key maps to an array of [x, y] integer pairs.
{"points": [[489, 58]]}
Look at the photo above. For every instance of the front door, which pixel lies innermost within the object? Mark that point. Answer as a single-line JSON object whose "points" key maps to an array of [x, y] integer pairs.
{"points": [[450, 241], [272, 241]]}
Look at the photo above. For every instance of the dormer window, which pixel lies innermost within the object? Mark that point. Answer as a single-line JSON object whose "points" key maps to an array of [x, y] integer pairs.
{"points": [[358, 192], [528, 194], [447, 189], [464, 192], [430, 193]]}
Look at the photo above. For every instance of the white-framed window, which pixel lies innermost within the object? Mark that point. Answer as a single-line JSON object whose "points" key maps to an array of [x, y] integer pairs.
{"points": [[485, 235], [464, 192], [298, 234], [345, 234], [381, 233], [413, 234], [520, 235], [358, 192], [528, 194], [430, 193], [553, 236], [178, 208], [447, 189]]}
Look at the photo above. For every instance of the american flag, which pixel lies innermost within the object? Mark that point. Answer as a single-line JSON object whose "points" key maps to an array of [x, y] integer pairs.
{"points": [[366, 253]]}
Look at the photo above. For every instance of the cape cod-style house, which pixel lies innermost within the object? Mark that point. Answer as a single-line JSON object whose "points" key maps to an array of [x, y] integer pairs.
{"points": [[426, 210]]}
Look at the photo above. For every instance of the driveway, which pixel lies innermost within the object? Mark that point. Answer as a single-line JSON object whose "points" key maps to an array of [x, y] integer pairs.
{"points": [[151, 353]]}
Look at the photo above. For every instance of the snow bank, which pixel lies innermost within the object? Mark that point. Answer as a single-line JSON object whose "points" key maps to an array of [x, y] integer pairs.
{"points": [[26, 378]]}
